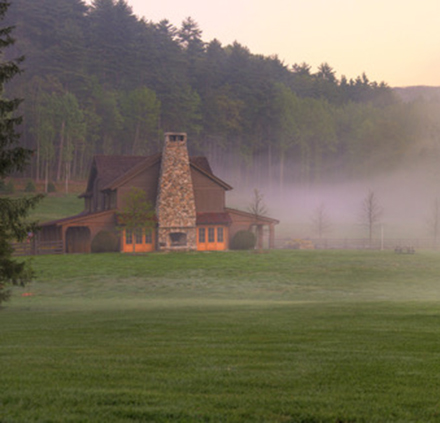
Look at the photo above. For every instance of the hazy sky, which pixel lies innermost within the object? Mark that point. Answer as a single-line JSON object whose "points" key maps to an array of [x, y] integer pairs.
{"points": [[396, 41]]}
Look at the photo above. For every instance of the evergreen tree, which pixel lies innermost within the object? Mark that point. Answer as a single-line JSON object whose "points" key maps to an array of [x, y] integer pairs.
{"points": [[113, 35], [13, 225], [263, 113]]}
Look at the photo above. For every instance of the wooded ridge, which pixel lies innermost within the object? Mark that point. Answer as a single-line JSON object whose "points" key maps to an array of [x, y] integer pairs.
{"points": [[100, 80]]}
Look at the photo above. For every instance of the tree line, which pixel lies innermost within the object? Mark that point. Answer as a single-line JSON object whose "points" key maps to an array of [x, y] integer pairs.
{"points": [[100, 80]]}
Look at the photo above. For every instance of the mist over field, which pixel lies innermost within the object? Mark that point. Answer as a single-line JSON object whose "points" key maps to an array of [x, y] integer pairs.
{"points": [[406, 197]]}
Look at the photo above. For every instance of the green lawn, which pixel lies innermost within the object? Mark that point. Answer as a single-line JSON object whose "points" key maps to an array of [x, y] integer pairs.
{"points": [[57, 206], [285, 336]]}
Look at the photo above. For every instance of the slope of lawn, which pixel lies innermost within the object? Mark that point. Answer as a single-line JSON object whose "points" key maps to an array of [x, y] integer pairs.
{"points": [[285, 336], [57, 206]]}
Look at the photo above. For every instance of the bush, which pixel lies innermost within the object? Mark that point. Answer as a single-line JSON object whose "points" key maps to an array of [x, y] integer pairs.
{"points": [[10, 188], [243, 240], [30, 187], [105, 242], [51, 187], [6, 187]]}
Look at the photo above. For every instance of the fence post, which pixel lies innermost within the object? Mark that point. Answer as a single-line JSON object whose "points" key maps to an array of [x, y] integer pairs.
{"points": [[34, 246]]}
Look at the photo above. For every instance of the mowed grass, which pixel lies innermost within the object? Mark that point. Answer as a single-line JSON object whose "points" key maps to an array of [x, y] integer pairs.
{"points": [[285, 336], [57, 206]]}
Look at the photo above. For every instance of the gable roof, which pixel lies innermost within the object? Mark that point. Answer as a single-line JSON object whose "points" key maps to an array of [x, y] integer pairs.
{"points": [[113, 171], [141, 165], [107, 168], [202, 165], [110, 167], [201, 162]]}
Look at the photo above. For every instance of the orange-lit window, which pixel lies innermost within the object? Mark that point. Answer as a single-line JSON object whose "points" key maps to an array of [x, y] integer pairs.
{"points": [[212, 238], [141, 240], [202, 235], [138, 236]]}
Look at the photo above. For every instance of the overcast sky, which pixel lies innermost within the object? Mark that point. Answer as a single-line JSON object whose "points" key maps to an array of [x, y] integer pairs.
{"points": [[396, 41]]}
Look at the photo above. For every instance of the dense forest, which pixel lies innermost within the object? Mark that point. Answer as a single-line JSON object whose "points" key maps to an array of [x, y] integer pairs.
{"points": [[99, 80]]}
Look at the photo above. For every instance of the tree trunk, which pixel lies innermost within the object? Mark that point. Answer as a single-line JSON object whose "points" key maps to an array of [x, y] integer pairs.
{"points": [[81, 163], [67, 177], [46, 179], [37, 173], [60, 154], [269, 166], [281, 180]]}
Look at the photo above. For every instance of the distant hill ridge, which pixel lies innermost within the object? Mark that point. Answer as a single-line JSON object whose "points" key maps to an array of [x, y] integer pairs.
{"points": [[408, 94]]}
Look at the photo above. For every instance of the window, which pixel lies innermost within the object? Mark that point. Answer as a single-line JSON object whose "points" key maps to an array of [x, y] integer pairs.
{"points": [[220, 237], [211, 234], [148, 237], [202, 235], [113, 199], [128, 237], [138, 235]]}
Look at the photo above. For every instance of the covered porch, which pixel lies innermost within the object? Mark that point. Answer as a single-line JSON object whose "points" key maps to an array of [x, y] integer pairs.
{"points": [[76, 233], [262, 226]]}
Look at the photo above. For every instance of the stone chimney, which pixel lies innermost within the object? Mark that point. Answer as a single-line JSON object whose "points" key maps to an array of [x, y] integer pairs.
{"points": [[176, 207]]}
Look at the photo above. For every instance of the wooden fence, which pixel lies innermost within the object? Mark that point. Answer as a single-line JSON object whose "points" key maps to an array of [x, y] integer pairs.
{"points": [[36, 247], [358, 244]]}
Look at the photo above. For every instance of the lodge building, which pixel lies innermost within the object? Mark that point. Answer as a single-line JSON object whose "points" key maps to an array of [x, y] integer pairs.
{"points": [[189, 202]]}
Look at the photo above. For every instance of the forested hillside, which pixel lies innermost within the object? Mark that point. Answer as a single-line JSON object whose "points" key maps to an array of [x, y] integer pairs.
{"points": [[99, 80]]}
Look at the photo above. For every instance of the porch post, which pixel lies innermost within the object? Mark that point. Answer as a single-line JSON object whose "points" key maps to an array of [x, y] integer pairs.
{"points": [[260, 237], [63, 239], [271, 236]]}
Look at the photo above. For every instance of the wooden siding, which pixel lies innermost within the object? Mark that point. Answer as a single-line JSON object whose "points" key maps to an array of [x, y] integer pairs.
{"points": [[209, 196], [147, 181]]}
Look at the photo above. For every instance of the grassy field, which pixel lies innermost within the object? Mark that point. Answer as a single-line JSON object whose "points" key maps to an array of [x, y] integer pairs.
{"points": [[57, 206], [53, 206], [285, 336]]}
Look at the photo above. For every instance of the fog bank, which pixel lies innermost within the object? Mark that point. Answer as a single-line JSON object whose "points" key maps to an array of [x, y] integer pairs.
{"points": [[406, 197]]}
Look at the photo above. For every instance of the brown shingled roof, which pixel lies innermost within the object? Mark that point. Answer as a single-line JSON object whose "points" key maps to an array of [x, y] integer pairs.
{"points": [[112, 170], [111, 167], [213, 218], [145, 162], [202, 162]]}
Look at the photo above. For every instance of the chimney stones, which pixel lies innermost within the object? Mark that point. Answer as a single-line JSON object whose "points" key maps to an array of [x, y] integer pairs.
{"points": [[175, 208]]}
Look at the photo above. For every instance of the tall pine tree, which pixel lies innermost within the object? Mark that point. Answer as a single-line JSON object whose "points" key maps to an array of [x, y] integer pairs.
{"points": [[13, 212]]}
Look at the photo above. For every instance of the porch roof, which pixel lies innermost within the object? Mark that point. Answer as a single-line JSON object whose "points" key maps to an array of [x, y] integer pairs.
{"points": [[213, 218], [252, 218], [76, 218]]}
